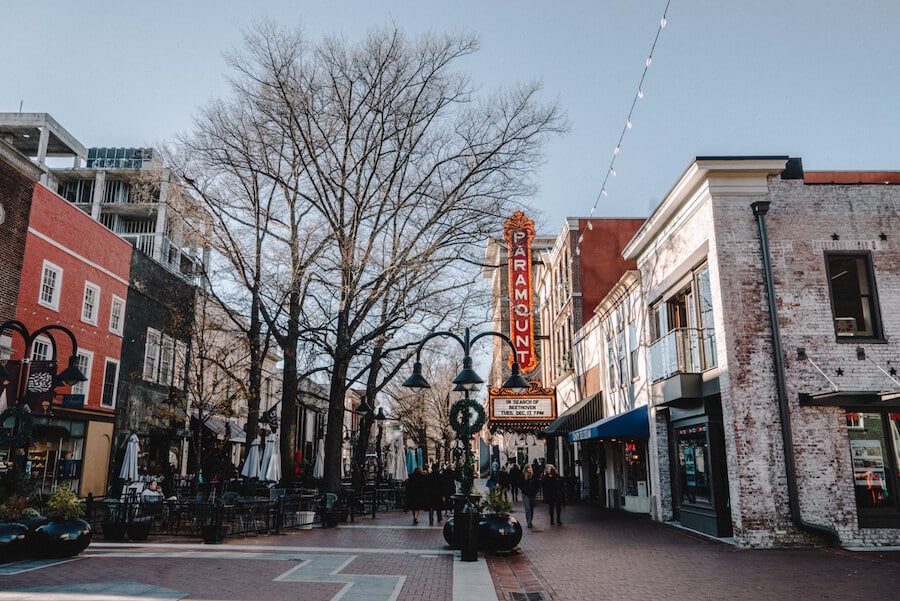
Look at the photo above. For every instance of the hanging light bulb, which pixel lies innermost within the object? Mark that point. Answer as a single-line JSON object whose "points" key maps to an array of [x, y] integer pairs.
{"points": [[640, 93], [662, 23], [580, 239], [593, 208], [649, 60], [628, 124], [604, 192], [616, 151], [612, 171], [590, 225], [578, 250]]}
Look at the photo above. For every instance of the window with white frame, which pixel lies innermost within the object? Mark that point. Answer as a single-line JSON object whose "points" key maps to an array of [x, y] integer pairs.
{"points": [[90, 307], [85, 360], [116, 314], [51, 283], [110, 383], [41, 349], [166, 360], [151, 355]]}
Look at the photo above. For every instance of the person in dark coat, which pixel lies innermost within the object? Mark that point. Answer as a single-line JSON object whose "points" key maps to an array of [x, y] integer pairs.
{"points": [[554, 495], [448, 478], [417, 493], [531, 485], [503, 480], [515, 480], [435, 495]]}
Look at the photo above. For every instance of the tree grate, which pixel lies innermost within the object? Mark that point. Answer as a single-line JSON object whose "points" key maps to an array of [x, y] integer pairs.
{"points": [[534, 596]]}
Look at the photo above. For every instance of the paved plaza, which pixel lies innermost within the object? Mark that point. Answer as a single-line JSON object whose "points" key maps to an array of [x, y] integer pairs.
{"points": [[596, 555]]}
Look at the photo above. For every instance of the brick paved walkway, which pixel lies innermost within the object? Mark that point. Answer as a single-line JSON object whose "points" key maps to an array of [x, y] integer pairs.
{"points": [[596, 555], [602, 555]]}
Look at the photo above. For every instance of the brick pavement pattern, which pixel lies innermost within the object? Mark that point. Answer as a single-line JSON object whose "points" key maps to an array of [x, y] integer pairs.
{"points": [[600, 555], [597, 555]]}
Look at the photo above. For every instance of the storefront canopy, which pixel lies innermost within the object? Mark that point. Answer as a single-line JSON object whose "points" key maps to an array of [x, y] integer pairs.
{"points": [[631, 424], [223, 428]]}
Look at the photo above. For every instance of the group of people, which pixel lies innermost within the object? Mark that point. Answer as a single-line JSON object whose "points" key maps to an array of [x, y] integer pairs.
{"points": [[530, 482], [431, 491]]}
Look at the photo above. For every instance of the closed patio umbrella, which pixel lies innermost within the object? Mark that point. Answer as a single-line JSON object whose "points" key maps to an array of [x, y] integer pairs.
{"points": [[270, 470], [319, 467], [129, 471], [419, 457], [399, 472], [251, 463], [410, 461]]}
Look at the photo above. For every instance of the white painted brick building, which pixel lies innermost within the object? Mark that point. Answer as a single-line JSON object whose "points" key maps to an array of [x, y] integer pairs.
{"points": [[726, 380]]}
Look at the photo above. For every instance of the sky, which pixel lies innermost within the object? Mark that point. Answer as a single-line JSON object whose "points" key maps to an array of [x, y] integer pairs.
{"points": [[815, 79]]}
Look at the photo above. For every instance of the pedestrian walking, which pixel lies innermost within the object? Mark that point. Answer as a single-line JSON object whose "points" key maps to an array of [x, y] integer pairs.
{"points": [[503, 481], [554, 495], [531, 484], [515, 480], [435, 495], [417, 493]]}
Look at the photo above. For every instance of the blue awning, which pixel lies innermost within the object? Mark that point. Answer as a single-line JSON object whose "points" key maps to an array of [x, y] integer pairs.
{"points": [[631, 424]]}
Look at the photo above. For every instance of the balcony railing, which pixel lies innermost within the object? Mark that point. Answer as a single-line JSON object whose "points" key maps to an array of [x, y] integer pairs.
{"points": [[682, 351]]}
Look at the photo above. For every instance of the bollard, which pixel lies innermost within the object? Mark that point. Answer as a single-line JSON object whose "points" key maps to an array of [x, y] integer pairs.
{"points": [[468, 533]]}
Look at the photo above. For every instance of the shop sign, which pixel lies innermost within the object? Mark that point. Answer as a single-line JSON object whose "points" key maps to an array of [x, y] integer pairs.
{"points": [[518, 231]]}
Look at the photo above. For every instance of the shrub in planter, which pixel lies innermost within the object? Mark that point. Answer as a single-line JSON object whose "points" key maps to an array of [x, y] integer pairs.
{"points": [[66, 534]]}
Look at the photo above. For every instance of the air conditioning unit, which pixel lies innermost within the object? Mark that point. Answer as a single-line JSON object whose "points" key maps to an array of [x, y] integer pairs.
{"points": [[845, 326]]}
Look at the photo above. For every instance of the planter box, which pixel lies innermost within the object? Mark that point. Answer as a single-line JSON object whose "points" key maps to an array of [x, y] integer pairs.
{"points": [[305, 519]]}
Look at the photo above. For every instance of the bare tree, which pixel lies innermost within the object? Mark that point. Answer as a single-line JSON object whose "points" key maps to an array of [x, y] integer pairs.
{"points": [[390, 173]]}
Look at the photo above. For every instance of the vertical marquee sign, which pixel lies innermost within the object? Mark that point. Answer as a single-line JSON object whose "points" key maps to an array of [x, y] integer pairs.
{"points": [[518, 232]]}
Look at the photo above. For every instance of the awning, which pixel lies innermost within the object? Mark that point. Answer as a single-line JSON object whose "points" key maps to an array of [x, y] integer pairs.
{"points": [[220, 427], [559, 425], [854, 399], [631, 424]]}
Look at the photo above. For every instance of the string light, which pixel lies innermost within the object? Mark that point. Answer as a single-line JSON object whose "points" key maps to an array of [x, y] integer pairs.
{"points": [[628, 124]]}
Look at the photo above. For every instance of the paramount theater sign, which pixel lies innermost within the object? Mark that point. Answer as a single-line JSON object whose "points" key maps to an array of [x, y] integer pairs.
{"points": [[536, 407], [518, 231]]}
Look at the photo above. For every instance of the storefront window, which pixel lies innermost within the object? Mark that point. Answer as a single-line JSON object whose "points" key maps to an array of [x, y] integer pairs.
{"points": [[874, 443], [635, 469], [693, 463]]}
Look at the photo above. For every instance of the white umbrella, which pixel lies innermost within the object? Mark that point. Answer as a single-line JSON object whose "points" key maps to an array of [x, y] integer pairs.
{"points": [[399, 465], [319, 467], [251, 463], [389, 460], [270, 470], [129, 471]]}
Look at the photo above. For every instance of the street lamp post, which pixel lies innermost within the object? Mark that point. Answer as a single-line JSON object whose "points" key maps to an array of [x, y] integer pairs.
{"points": [[27, 382], [466, 418]]}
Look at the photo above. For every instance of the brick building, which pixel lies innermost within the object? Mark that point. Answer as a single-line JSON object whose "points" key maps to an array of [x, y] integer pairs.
{"points": [[75, 275], [774, 403]]}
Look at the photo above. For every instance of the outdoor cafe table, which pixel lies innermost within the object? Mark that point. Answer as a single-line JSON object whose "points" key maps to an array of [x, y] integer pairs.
{"points": [[256, 512]]}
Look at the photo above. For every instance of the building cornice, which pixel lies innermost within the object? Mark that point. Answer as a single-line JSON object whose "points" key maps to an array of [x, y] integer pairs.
{"points": [[716, 176]]}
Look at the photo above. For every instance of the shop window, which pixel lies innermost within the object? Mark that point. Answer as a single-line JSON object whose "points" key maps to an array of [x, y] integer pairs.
{"points": [[693, 464], [875, 454], [635, 469], [854, 304]]}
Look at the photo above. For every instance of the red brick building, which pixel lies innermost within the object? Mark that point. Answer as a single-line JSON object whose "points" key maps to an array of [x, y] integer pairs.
{"points": [[74, 274]]}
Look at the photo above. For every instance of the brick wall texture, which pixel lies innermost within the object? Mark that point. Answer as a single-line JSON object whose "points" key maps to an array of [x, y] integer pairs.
{"points": [[803, 222]]}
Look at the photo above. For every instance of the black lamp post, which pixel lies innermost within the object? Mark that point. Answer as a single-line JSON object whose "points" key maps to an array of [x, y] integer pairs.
{"points": [[25, 382], [466, 418]]}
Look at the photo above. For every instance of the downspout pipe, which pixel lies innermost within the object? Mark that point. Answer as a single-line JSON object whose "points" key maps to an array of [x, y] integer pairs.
{"points": [[759, 211]]}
